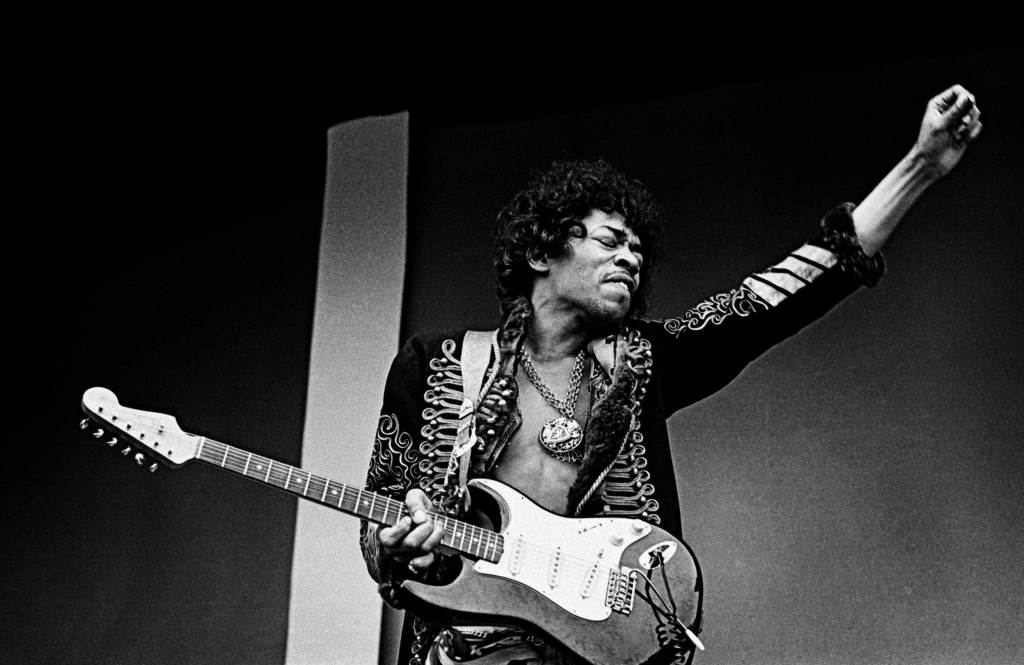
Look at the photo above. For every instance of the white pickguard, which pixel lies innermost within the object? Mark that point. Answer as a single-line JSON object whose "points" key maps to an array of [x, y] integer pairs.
{"points": [[568, 560]]}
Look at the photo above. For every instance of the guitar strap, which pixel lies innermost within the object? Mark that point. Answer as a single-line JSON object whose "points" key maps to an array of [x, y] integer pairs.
{"points": [[478, 348]]}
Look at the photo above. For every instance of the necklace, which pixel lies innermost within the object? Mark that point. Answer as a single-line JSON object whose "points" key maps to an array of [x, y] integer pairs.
{"points": [[560, 437]]}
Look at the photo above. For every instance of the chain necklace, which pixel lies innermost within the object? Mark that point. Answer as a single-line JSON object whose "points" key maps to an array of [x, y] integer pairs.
{"points": [[562, 436]]}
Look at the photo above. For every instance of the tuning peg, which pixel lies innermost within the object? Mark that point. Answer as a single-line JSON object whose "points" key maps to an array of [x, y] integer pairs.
{"points": [[112, 442], [140, 459], [153, 468], [98, 433], [126, 450], [84, 424]]}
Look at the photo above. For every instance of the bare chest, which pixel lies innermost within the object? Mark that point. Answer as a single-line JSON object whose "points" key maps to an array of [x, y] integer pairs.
{"points": [[526, 465]]}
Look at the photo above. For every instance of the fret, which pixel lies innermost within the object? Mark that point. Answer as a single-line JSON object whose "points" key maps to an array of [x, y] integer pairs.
{"points": [[234, 459], [288, 478], [323, 498], [202, 446], [248, 459], [225, 459], [258, 467], [266, 478], [278, 477], [373, 500], [334, 492], [316, 488], [306, 488]]}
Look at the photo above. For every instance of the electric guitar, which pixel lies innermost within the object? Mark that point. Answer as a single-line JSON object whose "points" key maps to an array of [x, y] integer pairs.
{"points": [[613, 591]]}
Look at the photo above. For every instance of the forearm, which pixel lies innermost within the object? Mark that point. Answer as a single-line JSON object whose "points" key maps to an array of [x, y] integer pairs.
{"points": [[951, 122], [881, 211]]}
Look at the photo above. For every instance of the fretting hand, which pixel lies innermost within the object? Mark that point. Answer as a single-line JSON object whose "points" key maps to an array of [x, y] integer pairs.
{"points": [[414, 537]]}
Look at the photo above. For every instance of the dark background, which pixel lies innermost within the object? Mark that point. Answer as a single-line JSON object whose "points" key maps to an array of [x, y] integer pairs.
{"points": [[165, 245]]}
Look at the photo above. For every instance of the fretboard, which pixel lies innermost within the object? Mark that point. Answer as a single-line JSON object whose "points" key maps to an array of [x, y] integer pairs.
{"points": [[458, 535]]}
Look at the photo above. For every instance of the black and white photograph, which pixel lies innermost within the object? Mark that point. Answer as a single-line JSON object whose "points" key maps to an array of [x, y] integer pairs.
{"points": [[712, 357]]}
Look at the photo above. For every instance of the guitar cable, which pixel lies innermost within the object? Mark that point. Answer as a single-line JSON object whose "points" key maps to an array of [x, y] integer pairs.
{"points": [[670, 618]]}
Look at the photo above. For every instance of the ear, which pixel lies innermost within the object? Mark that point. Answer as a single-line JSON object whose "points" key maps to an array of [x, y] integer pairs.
{"points": [[538, 261]]}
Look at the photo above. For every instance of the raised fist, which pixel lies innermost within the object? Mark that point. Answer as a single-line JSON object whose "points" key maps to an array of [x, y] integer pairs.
{"points": [[950, 123]]}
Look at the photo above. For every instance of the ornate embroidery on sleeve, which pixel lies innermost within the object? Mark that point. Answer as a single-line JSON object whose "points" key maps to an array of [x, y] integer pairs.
{"points": [[444, 398], [392, 466], [740, 301], [392, 471]]}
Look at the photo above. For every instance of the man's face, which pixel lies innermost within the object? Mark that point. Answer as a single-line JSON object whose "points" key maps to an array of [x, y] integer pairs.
{"points": [[599, 274]]}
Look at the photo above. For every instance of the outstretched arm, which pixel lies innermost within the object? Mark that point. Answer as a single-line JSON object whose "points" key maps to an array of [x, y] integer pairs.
{"points": [[950, 123], [717, 338]]}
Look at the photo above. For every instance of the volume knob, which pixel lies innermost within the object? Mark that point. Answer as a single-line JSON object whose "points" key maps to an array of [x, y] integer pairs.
{"points": [[616, 539]]}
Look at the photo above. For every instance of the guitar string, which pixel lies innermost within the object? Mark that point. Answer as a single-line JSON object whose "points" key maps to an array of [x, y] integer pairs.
{"points": [[451, 525], [245, 463], [480, 540]]}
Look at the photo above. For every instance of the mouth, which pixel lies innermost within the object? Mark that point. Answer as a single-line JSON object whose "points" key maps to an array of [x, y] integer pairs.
{"points": [[624, 280]]}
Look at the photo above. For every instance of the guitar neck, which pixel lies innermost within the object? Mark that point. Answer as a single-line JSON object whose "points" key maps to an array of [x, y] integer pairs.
{"points": [[458, 535]]}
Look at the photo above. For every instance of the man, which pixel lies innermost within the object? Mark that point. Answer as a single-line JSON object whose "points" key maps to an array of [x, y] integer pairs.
{"points": [[572, 410]]}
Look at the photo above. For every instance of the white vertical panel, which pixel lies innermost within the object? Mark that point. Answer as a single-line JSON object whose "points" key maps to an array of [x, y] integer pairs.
{"points": [[335, 610]]}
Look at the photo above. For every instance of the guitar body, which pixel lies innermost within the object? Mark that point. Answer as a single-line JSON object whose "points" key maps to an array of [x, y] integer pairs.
{"points": [[563, 578]]}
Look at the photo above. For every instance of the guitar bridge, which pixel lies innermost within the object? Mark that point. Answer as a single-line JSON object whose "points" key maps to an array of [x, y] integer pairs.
{"points": [[621, 590]]}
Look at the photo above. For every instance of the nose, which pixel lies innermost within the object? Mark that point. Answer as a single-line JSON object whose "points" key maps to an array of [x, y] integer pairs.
{"points": [[625, 258]]}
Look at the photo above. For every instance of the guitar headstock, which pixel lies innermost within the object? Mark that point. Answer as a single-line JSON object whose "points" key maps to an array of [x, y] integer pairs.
{"points": [[131, 430]]}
